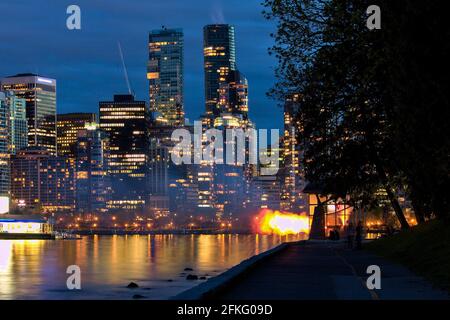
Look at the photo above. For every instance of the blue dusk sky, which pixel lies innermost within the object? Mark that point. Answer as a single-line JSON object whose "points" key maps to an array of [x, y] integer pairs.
{"points": [[86, 62]]}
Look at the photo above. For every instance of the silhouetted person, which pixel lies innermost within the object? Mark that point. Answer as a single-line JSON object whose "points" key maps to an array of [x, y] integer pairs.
{"points": [[359, 231], [350, 235]]}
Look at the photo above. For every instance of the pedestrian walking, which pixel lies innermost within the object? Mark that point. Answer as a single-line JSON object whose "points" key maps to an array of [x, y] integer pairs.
{"points": [[359, 231]]}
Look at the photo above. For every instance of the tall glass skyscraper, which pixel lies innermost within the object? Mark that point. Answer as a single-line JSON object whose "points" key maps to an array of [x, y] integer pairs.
{"points": [[233, 95], [4, 154], [93, 188], [165, 75], [18, 128], [13, 137], [220, 59], [40, 95]]}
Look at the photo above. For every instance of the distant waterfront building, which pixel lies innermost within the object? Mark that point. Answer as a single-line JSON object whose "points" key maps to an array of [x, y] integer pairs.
{"points": [[93, 184], [21, 226], [42, 182], [219, 53], [165, 74], [40, 96], [126, 121], [68, 125]]}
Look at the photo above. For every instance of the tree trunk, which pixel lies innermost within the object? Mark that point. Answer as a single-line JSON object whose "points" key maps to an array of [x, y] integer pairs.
{"points": [[419, 212], [385, 182], [391, 195], [398, 210]]}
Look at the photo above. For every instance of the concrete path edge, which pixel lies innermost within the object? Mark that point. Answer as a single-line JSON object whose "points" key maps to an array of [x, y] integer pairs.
{"points": [[216, 284]]}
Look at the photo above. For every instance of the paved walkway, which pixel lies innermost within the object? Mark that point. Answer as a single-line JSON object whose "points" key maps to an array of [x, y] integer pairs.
{"points": [[327, 271]]}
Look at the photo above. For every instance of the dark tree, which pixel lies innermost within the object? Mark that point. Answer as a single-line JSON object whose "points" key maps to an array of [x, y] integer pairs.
{"points": [[373, 105], [416, 38]]}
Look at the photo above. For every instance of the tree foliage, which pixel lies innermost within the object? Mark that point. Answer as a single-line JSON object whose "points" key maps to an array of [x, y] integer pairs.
{"points": [[362, 100]]}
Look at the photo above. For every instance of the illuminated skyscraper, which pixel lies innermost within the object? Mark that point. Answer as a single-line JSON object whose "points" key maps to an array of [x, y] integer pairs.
{"points": [[126, 122], [292, 198], [17, 126], [4, 150], [13, 137], [41, 181], [220, 60], [68, 125], [165, 75], [93, 187], [233, 95], [158, 182], [40, 95]]}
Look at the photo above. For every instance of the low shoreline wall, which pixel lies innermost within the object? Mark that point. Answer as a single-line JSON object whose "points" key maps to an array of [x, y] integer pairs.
{"points": [[215, 285]]}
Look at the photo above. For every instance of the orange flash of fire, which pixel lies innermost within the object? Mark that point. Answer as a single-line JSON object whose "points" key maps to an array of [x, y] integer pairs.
{"points": [[281, 223]]}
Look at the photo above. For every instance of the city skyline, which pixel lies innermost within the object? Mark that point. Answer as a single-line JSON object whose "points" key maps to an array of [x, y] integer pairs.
{"points": [[236, 158], [74, 70], [136, 160]]}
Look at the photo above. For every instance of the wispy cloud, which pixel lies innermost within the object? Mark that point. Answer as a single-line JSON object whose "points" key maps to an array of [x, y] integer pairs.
{"points": [[217, 15]]}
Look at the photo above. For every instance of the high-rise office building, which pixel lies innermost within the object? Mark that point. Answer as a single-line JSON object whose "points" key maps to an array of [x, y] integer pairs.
{"points": [[93, 187], [232, 179], [219, 53], [4, 148], [171, 187], [158, 182], [40, 96], [233, 95], [41, 181], [126, 121], [292, 198], [17, 125], [68, 125], [13, 137], [165, 75]]}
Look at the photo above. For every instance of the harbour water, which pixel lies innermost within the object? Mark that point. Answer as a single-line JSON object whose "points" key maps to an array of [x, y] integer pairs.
{"points": [[36, 269]]}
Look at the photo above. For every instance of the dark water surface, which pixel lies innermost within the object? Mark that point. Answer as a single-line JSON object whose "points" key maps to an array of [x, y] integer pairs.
{"points": [[36, 269]]}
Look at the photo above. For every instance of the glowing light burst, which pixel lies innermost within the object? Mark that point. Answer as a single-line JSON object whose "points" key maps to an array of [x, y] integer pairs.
{"points": [[281, 223]]}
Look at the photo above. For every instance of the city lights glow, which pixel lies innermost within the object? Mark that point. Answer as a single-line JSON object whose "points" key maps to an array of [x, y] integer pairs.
{"points": [[4, 205], [281, 223]]}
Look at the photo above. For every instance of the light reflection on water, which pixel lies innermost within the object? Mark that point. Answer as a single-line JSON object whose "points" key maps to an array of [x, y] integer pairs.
{"points": [[36, 269]]}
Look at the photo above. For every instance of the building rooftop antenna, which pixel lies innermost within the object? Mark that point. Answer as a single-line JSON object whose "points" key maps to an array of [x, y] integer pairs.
{"points": [[124, 68]]}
